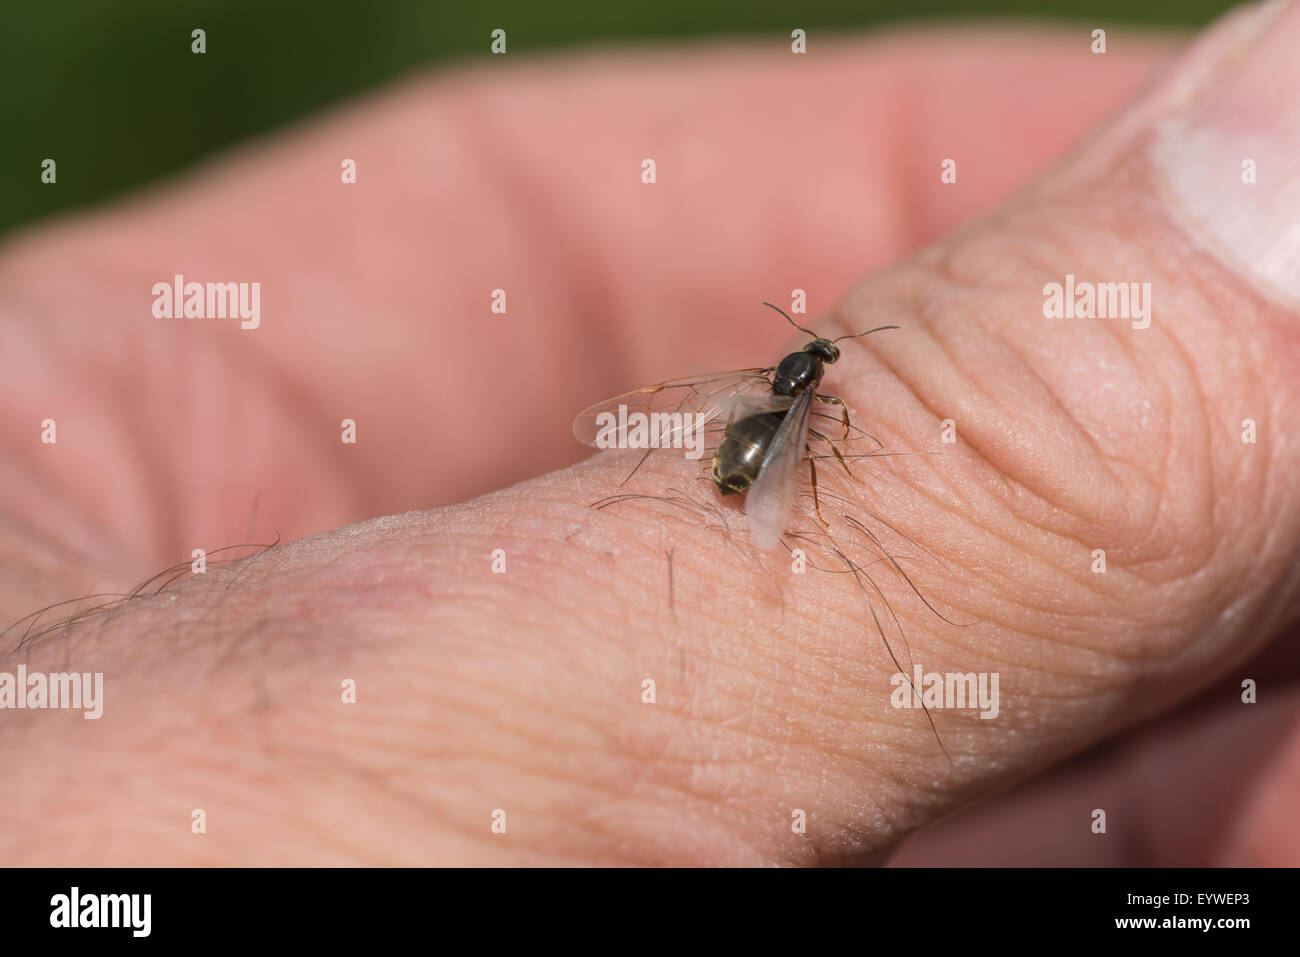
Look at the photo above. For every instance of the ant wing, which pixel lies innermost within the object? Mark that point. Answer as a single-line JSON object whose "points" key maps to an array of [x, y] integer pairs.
{"points": [[768, 502], [678, 402]]}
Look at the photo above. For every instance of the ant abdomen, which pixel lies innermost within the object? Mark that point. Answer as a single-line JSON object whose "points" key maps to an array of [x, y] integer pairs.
{"points": [[740, 454]]}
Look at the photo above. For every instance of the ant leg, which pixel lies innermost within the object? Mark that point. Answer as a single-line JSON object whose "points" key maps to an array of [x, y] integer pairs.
{"points": [[844, 409], [812, 467], [835, 449], [848, 424]]}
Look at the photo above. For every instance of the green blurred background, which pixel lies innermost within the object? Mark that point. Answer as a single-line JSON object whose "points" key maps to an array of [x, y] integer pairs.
{"points": [[111, 91]]}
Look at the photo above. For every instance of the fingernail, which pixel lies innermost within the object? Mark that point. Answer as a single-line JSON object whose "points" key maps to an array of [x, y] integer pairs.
{"points": [[1230, 157]]}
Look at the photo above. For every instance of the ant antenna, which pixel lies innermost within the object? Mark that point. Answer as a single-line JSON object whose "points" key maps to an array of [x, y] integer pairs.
{"points": [[792, 322], [858, 335]]}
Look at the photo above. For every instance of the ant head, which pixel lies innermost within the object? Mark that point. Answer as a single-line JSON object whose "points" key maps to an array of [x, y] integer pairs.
{"points": [[823, 349]]}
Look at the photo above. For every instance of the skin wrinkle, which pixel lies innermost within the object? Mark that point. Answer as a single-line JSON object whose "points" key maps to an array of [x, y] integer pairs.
{"points": [[540, 742], [1263, 484], [842, 622], [1015, 545], [1207, 312], [974, 448], [603, 822], [845, 324], [1188, 367], [828, 656], [1105, 460], [972, 574], [469, 706], [933, 340], [1006, 596], [1075, 577], [1126, 346], [947, 271], [325, 773], [101, 624], [591, 721], [1048, 265]]}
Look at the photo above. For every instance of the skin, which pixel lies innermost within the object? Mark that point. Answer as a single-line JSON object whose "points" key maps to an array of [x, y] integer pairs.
{"points": [[522, 691]]}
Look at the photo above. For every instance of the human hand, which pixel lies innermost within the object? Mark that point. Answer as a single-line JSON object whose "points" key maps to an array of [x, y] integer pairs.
{"points": [[522, 691]]}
